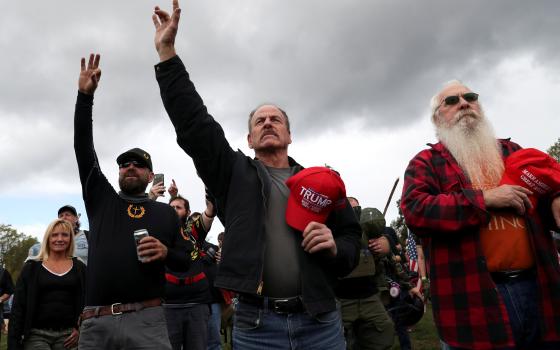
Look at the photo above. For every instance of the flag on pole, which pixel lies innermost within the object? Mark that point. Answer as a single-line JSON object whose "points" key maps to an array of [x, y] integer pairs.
{"points": [[413, 258], [412, 253]]}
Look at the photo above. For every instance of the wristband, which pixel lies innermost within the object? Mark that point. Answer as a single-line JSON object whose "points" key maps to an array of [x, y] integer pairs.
{"points": [[208, 216]]}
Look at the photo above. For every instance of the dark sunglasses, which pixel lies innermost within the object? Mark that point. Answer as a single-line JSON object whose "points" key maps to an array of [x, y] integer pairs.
{"points": [[453, 100], [136, 164]]}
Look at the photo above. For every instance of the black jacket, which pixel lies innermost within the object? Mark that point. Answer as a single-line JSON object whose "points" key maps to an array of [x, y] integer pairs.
{"points": [[241, 186], [25, 298]]}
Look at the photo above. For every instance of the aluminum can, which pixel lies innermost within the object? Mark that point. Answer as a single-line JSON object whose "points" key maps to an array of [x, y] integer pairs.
{"points": [[138, 235]]}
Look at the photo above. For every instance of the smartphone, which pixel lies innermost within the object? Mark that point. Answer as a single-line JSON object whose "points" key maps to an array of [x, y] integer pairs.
{"points": [[158, 178]]}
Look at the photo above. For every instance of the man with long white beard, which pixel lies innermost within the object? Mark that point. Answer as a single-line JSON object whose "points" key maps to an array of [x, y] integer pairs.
{"points": [[495, 278]]}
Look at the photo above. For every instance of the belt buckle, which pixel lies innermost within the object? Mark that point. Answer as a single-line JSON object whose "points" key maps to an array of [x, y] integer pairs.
{"points": [[278, 304], [113, 309]]}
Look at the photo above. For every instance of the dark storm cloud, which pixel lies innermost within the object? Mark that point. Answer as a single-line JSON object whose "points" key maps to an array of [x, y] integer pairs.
{"points": [[325, 62]]}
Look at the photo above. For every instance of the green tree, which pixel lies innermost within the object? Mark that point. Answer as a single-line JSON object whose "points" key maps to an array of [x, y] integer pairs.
{"points": [[399, 225], [14, 247], [554, 150]]}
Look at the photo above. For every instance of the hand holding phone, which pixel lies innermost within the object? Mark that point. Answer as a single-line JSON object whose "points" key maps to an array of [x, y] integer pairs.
{"points": [[158, 178]]}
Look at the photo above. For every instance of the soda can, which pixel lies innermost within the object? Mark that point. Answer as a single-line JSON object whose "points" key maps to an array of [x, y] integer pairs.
{"points": [[138, 235]]}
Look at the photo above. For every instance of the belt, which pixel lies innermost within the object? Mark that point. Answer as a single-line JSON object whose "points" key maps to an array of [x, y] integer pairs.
{"points": [[186, 280], [118, 308], [511, 276], [279, 305]]}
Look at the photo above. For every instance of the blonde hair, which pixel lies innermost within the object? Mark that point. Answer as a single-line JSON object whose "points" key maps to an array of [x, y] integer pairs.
{"points": [[45, 247]]}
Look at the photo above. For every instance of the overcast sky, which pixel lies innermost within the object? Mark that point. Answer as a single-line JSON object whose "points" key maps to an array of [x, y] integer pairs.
{"points": [[354, 76]]}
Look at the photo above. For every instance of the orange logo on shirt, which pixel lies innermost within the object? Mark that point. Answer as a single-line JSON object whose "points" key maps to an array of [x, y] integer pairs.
{"points": [[136, 211]]}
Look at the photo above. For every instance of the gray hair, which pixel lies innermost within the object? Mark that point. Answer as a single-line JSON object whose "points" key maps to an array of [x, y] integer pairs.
{"points": [[435, 102], [268, 104]]}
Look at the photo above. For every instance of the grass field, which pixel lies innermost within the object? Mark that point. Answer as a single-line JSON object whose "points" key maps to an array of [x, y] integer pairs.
{"points": [[423, 336]]}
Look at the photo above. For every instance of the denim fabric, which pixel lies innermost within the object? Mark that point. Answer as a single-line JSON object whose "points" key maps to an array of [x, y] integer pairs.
{"points": [[214, 325], [521, 300], [257, 328], [44, 339], [188, 326]]}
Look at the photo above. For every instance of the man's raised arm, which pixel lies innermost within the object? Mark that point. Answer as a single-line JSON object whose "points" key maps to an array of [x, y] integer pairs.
{"points": [[83, 135], [166, 31]]}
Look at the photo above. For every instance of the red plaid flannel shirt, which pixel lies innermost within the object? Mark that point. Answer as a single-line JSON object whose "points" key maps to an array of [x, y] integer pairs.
{"points": [[440, 206]]}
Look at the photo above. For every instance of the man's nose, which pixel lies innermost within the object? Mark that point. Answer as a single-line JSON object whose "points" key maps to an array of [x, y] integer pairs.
{"points": [[463, 104], [267, 122]]}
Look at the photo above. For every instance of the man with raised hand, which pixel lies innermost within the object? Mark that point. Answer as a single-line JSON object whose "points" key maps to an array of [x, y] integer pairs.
{"points": [[125, 275], [495, 280], [283, 275]]}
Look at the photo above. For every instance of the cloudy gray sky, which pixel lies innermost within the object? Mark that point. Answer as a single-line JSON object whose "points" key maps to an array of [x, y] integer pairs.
{"points": [[354, 76]]}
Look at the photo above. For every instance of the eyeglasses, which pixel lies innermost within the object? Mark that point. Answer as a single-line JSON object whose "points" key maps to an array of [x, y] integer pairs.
{"points": [[136, 164], [454, 99]]}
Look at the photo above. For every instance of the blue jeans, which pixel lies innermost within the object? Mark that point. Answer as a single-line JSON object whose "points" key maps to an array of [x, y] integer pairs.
{"points": [[521, 300], [214, 325], [256, 328]]}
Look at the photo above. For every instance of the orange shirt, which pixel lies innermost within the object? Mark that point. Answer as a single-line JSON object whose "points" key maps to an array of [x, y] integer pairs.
{"points": [[505, 243]]}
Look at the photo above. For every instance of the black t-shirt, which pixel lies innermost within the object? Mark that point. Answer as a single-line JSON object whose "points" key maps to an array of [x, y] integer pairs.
{"points": [[114, 274], [55, 299]]}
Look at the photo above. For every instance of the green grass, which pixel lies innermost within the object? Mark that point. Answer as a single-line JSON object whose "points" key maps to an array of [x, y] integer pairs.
{"points": [[424, 335]]}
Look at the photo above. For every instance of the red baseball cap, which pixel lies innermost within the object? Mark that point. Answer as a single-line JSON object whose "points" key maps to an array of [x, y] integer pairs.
{"points": [[314, 193], [534, 170]]}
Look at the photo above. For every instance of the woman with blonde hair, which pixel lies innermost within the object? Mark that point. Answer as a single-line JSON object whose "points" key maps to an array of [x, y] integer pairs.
{"points": [[49, 294]]}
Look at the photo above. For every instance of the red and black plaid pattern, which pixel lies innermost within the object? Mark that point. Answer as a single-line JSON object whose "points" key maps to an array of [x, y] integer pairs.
{"points": [[440, 205]]}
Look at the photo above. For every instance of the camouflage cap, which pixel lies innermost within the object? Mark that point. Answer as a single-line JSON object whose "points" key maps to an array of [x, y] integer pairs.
{"points": [[372, 222]]}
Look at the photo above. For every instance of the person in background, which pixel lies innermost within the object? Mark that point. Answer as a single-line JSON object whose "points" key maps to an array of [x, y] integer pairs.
{"points": [[70, 214], [188, 293], [367, 325], [6, 291], [49, 294]]}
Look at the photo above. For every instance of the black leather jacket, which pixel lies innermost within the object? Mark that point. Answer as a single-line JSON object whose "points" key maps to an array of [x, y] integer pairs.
{"points": [[241, 186]]}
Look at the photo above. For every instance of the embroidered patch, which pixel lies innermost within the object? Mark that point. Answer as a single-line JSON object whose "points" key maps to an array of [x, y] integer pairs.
{"points": [[136, 211]]}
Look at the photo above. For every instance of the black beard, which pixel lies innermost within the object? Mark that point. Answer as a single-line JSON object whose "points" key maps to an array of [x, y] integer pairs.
{"points": [[133, 186]]}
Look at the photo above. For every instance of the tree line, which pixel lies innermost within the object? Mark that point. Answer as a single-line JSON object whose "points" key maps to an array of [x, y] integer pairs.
{"points": [[14, 248]]}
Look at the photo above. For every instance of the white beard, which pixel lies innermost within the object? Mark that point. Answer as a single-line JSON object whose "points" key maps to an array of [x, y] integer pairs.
{"points": [[469, 137]]}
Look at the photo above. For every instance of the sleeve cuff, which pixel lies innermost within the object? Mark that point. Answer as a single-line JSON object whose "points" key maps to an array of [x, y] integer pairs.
{"points": [[84, 98], [162, 66]]}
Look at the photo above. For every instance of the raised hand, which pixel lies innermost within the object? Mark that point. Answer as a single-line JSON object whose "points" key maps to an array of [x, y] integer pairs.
{"points": [[156, 191], [166, 30], [90, 75], [173, 190]]}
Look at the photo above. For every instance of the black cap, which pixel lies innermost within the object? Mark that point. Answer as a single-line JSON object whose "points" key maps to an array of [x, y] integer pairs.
{"points": [[137, 154], [69, 208]]}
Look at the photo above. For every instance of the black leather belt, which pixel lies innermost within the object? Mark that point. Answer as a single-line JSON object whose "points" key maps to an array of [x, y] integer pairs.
{"points": [[511, 276], [279, 305]]}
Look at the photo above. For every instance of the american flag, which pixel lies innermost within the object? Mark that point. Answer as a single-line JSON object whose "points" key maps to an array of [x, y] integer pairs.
{"points": [[413, 257], [412, 254]]}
